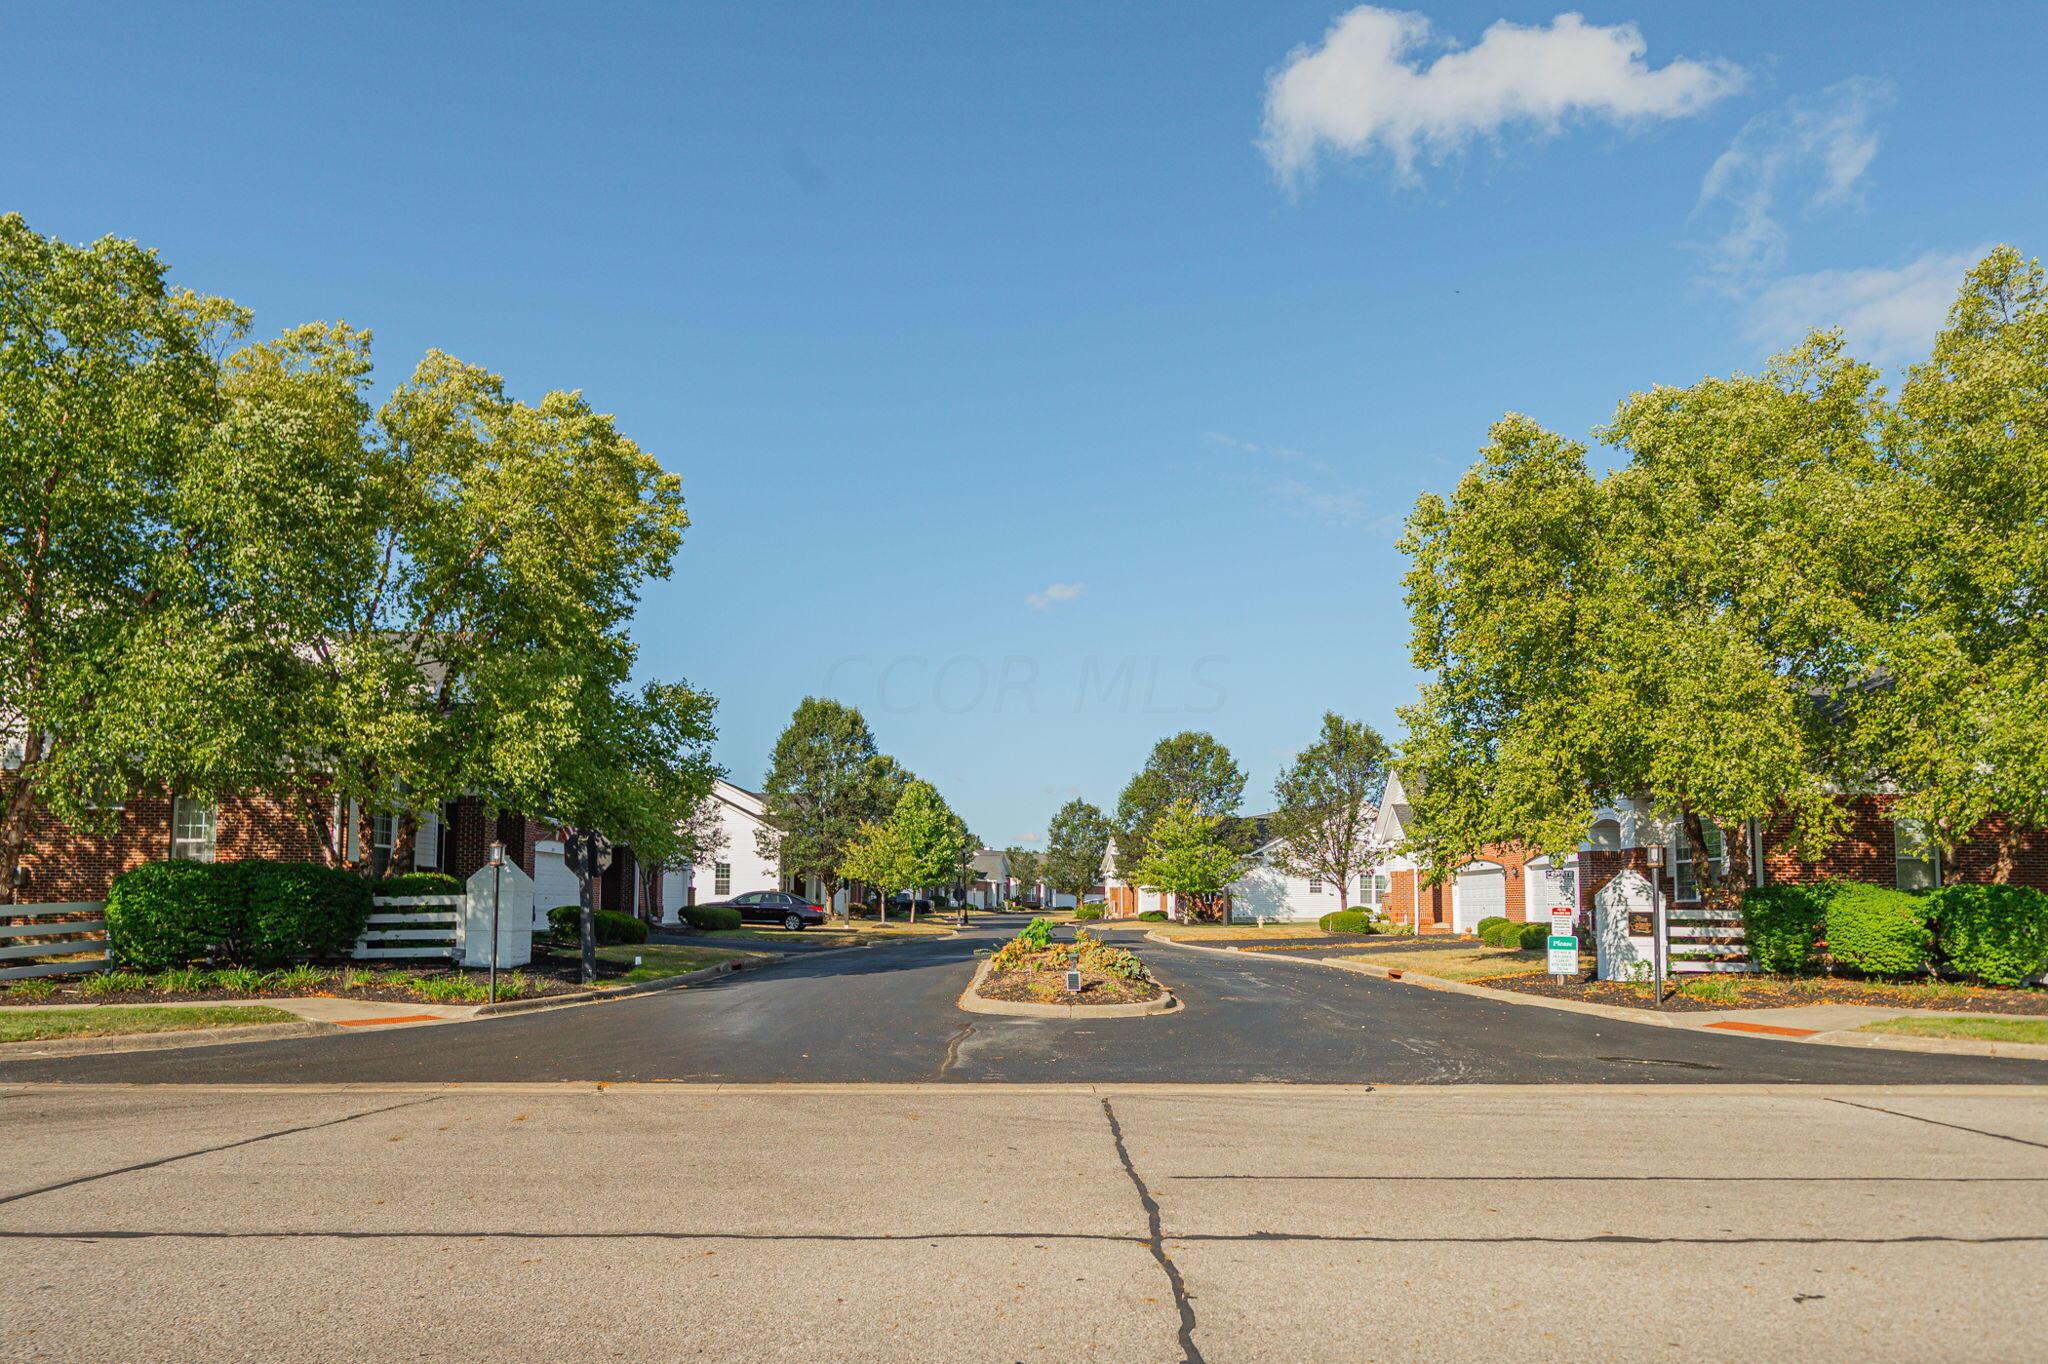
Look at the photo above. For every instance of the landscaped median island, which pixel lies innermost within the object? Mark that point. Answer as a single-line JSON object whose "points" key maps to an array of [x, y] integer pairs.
{"points": [[1032, 973]]}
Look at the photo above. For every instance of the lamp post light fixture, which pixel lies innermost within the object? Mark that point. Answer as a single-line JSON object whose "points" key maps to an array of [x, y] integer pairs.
{"points": [[497, 895], [1655, 853]]}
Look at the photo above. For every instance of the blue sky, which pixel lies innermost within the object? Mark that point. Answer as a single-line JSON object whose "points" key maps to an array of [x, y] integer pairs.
{"points": [[1045, 379]]}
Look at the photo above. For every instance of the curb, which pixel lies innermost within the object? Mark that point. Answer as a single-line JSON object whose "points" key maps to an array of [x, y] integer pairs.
{"points": [[644, 987], [162, 1041], [1950, 1046], [971, 1000]]}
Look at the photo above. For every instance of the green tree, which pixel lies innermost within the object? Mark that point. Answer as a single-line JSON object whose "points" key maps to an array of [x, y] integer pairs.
{"points": [[1187, 856], [1965, 707], [117, 664], [922, 845], [825, 780], [1328, 798], [1189, 766], [1075, 843], [1025, 867]]}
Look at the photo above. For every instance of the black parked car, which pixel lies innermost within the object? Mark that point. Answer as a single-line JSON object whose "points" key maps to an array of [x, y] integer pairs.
{"points": [[776, 907], [901, 903]]}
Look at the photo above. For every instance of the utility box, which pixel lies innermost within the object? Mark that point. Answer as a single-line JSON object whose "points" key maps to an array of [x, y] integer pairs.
{"points": [[515, 916], [1624, 927]]}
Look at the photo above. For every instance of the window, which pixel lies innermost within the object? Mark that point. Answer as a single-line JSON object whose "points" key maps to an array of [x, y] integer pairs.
{"points": [[1372, 889], [191, 830], [1917, 858], [1683, 874], [1315, 885], [383, 830], [721, 878]]}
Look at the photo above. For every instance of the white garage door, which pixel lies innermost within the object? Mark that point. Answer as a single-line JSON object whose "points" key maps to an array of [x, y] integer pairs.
{"points": [[553, 882], [1482, 893]]}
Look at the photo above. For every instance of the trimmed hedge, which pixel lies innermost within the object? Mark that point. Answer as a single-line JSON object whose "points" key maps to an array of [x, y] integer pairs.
{"points": [[418, 883], [1154, 916], [1089, 913], [1488, 922], [297, 909], [1347, 921], [710, 918], [254, 912], [1533, 936], [611, 927], [1994, 934], [1782, 925], [169, 913], [1878, 931]]}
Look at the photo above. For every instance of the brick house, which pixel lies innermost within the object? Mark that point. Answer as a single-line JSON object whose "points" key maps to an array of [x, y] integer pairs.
{"points": [[1521, 884]]}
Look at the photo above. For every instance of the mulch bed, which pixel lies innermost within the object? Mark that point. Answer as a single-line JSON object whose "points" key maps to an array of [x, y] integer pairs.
{"points": [[1780, 992], [1047, 987], [551, 972]]}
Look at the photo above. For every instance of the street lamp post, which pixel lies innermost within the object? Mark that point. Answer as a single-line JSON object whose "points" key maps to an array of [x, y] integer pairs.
{"points": [[1655, 852], [497, 896]]}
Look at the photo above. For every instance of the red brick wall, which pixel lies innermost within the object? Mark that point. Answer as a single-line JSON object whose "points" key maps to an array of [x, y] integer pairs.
{"points": [[64, 864]]}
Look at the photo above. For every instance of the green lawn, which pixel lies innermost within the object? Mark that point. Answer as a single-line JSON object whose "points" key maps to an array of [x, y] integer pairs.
{"points": [[1982, 1029], [658, 961], [41, 1025]]}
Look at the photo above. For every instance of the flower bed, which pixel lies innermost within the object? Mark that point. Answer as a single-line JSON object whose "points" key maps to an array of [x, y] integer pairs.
{"points": [[1032, 969]]}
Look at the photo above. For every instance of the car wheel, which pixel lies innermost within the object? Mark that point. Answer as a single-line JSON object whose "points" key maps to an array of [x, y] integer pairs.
{"points": [[792, 923]]}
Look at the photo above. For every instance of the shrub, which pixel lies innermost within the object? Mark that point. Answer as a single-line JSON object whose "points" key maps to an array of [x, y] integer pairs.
{"points": [[240, 980], [1090, 913], [1488, 922], [297, 909], [1878, 931], [1530, 937], [168, 913], [1035, 936], [517, 985], [182, 980], [1996, 934], [451, 990], [300, 979], [711, 918], [1154, 916], [1501, 933], [1347, 921], [610, 927], [1782, 925], [418, 883]]}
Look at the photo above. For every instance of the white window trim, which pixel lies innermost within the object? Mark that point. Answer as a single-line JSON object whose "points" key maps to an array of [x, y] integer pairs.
{"points": [[186, 849], [721, 879], [1933, 851], [1681, 845]]}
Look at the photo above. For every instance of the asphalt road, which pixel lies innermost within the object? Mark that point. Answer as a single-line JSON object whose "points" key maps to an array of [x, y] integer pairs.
{"points": [[887, 1014], [954, 1223]]}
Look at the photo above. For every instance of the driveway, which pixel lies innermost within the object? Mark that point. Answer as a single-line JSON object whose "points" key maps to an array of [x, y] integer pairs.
{"points": [[887, 1014]]}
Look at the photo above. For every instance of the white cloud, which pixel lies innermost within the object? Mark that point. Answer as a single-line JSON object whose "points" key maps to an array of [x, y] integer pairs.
{"points": [[1815, 148], [1246, 447], [1056, 592], [1888, 317], [1364, 87]]}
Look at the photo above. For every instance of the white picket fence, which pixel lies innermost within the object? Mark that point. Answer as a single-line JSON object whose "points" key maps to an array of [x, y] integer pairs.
{"points": [[79, 944], [392, 937]]}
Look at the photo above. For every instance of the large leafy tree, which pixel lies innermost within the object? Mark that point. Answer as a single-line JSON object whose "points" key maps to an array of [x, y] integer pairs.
{"points": [[118, 663], [1076, 841], [1192, 767], [454, 570], [1966, 708], [921, 844], [1187, 855], [1328, 798], [1025, 866], [825, 781], [1790, 590]]}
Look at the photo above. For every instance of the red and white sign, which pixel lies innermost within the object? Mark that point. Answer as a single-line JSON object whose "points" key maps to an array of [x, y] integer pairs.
{"points": [[1562, 919]]}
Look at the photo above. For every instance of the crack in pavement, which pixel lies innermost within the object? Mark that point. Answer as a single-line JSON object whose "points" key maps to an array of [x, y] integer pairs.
{"points": [[1937, 1122], [208, 1150], [1155, 1241], [952, 1057]]}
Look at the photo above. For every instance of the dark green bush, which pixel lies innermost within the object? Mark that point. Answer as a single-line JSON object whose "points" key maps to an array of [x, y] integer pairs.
{"points": [[1488, 922], [1154, 916], [1089, 913], [418, 883], [1996, 934], [710, 918], [296, 909], [168, 913], [1782, 925], [1347, 921], [611, 927], [1530, 937], [1502, 933], [1878, 931]]}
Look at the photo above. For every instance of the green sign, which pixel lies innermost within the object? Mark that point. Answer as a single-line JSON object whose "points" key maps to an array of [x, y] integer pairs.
{"points": [[1564, 955]]}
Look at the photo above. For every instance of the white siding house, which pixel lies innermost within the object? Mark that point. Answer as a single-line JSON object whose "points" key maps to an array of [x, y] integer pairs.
{"points": [[737, 867]]}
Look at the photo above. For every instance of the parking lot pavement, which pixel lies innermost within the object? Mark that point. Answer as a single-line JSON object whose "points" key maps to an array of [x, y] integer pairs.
{"points": [[950, 1222]]}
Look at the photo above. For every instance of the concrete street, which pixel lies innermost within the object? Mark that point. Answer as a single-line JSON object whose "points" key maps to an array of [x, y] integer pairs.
{"points": [[953, 1222], [888, 1014]]}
